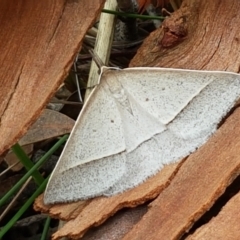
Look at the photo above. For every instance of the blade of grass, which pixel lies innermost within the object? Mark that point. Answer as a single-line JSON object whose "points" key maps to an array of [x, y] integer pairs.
{"points": [[29, 173], [13, 201], [45, 229], [27, 163], [132, 15], [27, 204]]}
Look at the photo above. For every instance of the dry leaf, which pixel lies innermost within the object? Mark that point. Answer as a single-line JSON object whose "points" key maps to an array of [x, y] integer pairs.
{"points": [[49, 124], [41, 39], [11, 158], [124, 220]]}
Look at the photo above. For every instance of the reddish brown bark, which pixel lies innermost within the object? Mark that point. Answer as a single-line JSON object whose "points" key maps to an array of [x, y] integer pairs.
{"points": [[39, 40], [201, 35]]}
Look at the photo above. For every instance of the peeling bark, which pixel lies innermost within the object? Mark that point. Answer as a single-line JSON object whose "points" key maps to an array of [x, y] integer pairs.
{"points": [[206, 37], [212, 41], [39, 41]]}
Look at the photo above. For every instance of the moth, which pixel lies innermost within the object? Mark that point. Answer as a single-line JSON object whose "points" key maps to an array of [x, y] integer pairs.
{"points": [[135, 121]]}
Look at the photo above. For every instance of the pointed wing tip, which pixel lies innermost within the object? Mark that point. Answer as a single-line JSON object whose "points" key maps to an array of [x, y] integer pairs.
{"points": [[105, 69]]}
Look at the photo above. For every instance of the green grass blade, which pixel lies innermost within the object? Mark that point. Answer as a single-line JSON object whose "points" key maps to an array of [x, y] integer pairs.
{"points": [[45, 229], [34, 168], [132, 15], [27, 163], [23, 208]]}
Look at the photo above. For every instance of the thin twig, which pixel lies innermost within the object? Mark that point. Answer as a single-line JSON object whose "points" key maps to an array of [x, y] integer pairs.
{"points": [[6, 210], [9, 168], [103, 43], [132, 15]]}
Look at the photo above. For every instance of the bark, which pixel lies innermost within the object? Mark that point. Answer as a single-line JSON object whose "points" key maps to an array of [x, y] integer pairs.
{"points": [[39, 41], [200, 35], [211, 41]]}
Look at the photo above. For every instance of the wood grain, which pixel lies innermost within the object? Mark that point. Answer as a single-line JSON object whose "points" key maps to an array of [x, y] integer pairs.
{"points": [[212, 41], [39, 40], [225, 226], [202, 178], [98, 210]]}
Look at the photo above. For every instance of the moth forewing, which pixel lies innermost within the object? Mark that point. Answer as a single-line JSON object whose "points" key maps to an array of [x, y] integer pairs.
{"points": [[135, 121]]}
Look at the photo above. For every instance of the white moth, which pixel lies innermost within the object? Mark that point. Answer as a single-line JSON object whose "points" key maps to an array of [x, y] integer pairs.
{"points": [[135, 121]]}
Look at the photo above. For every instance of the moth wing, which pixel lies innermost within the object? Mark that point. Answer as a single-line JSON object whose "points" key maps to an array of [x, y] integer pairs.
{"points": [[201, 118], [163, 93], [85, 181], [152, 132], [97, 134], [187, 132], [149, 98]]}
